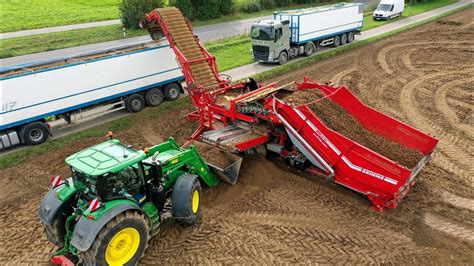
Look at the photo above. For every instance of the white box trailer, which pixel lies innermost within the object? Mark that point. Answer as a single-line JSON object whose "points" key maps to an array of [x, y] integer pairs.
{"points": [[127, 78], [317, 23], [301, 31]]}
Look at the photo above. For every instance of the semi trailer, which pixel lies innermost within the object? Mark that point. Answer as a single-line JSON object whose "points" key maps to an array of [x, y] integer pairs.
{"points": [[299, 32], [40, 96]]}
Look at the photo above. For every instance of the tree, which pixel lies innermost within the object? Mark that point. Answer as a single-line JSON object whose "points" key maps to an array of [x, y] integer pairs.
{"points": [[133, 10]]}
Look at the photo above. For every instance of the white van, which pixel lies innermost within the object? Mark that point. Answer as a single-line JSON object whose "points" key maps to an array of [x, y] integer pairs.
{"points": [[388, 9]]}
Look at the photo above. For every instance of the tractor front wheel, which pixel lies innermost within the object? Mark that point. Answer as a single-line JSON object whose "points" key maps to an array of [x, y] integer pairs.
{"points": [[122, 241], [186, 200]]}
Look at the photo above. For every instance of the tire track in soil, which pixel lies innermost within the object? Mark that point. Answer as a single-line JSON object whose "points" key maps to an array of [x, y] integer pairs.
{"points": [[449, 227], [442, 105], [407, 103]]}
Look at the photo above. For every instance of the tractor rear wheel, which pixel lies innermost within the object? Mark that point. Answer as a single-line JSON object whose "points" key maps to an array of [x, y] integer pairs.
{"points": [[186, 200], [56, 231], [122, 241]]}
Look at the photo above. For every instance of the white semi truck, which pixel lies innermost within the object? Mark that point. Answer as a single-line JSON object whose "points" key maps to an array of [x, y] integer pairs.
{"points": [[295, 32], [37, 96]]}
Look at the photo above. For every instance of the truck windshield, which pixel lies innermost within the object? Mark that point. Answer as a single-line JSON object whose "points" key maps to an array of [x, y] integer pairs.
{"points": [[262, 33], [384, 7]]}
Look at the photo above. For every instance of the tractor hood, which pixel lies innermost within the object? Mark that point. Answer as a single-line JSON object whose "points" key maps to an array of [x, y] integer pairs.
{"points": [[107, 157]]}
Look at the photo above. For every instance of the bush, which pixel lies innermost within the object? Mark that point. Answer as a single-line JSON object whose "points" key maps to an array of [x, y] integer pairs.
{"points": [[280, 3], [133, 10], [206, 9], [267, 4], [186, 7], [227, 7], [251, 7]]}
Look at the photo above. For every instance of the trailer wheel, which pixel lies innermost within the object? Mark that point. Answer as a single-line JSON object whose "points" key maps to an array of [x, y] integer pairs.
{"points": [[154, 97], [186, 200], [308, 49], [34, 133], [283, 58], [343, 39], [350, 37], [135, 103], [337, 41], [122, 241], [172, 91]]}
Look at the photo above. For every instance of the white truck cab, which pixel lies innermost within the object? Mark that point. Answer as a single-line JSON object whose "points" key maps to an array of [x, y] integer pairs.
{"points": [[388, 9]]}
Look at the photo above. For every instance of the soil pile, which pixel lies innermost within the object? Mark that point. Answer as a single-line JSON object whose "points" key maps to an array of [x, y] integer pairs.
{"points": [[336, 118], [214, 155]]}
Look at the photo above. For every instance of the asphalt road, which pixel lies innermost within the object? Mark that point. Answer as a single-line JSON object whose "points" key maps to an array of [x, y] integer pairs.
{"points": [[255, 68]]}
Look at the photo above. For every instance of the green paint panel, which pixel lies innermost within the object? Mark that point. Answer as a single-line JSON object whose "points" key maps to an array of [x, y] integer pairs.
{"points": [[107, 157]]}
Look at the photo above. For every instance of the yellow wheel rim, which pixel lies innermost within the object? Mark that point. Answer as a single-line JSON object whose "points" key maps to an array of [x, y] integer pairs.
{"points": [[122, 247], [195, 204]]}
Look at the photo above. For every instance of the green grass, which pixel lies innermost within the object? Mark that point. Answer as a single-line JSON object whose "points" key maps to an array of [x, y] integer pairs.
{"points": [[409, 11], [59, 40], [20, 156], [23, 14], [231, 52]]}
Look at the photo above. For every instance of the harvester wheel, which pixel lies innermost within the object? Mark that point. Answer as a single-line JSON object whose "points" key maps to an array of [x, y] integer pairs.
{"points": [[56, 231], [186, 200], [172, 91], [122, 241], [135, 103], [154, 97], [283, 58]]}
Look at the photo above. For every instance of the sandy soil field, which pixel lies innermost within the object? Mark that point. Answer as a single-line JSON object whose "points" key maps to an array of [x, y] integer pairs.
{"points": [[277, 215]]}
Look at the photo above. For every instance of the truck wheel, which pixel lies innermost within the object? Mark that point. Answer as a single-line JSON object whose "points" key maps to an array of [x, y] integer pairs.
{"points": [[186, 200], [283, 58], [337, 41], [172, 91], [343, 39], [308, 49], [56, 231], [154, 97], [122, 241], [34, 133], [350, 37], [135, 103]]}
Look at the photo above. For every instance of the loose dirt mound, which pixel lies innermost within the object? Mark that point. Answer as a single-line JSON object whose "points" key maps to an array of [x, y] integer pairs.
{"points": [[213, 155], [276, 216]]}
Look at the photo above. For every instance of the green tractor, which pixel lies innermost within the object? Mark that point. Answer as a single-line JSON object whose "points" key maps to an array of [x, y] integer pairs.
{"points": [[117, 196]]}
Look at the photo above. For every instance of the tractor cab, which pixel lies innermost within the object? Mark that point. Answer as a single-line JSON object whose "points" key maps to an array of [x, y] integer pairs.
{"points": [[109, 170]]}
